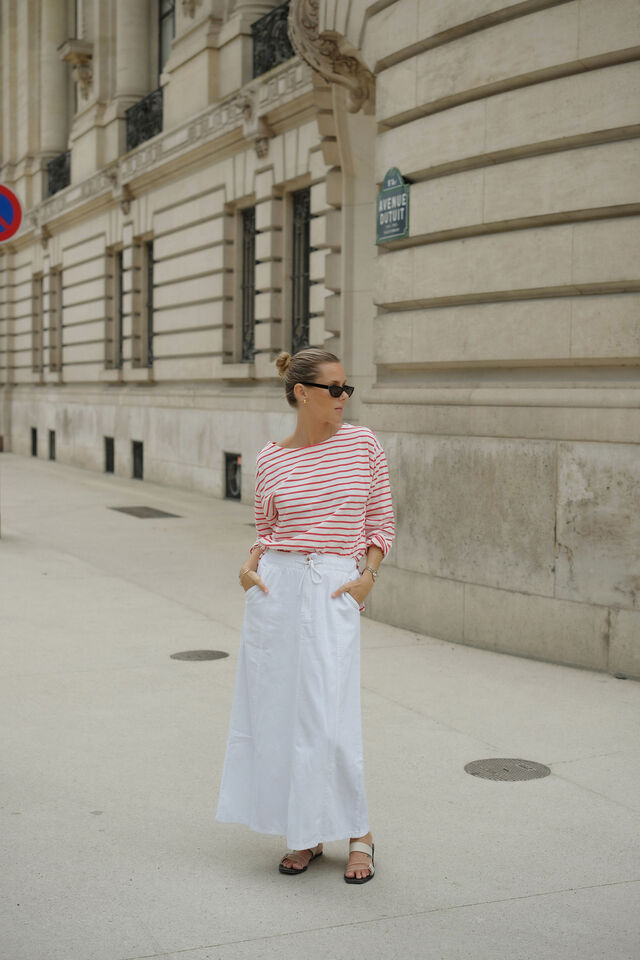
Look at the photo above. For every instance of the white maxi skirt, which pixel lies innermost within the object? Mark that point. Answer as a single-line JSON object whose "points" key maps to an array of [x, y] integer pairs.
{"points": [[294, 762]]}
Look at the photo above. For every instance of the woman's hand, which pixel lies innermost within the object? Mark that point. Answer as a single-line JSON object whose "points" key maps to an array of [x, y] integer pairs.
{"points": [[249, 578], [357, 588]]}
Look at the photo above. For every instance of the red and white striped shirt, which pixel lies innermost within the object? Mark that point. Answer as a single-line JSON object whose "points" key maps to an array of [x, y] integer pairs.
{"points": [[331, 497]]}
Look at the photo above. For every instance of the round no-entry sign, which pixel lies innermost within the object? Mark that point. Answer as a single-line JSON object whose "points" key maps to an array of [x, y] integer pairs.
{"points": [[10, 214]]}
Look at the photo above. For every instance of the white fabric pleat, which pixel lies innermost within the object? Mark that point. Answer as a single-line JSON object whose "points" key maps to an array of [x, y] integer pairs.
{"points": [[294, 763]]}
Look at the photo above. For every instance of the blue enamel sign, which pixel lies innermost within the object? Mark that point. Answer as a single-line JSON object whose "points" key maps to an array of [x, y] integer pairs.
{"points": [[392, 208]]}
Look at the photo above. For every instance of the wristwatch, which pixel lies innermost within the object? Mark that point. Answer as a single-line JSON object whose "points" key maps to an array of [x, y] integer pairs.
{"points": [[374, 573]]}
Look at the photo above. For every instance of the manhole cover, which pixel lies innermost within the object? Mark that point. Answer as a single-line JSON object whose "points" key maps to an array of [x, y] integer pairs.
{"points": [[145, 513], [199, 655], [497, 768]]}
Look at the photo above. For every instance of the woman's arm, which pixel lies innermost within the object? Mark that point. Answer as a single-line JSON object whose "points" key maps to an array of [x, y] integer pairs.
{"points": [[248, 571], [379, 522], [374, 559], [248, 575], [379, 527]]}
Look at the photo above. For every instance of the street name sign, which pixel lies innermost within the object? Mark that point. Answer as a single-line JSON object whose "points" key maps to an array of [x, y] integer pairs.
{"points": [[392, 208]]}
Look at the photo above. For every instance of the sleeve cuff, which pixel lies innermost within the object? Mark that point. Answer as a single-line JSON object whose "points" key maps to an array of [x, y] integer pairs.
{"points": [[375, 540]]}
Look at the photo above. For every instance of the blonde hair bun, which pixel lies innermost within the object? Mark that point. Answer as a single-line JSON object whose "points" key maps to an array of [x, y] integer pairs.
{"points": [[283, 361]]}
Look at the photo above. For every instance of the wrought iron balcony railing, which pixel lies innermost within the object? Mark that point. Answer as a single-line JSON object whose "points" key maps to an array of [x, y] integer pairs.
{"points": [[58, 173], [271, 44], [144, 119]]}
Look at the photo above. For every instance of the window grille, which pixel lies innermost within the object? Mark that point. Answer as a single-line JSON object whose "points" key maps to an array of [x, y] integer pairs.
{"points": [[114, 326], [301, 249], [119, 331], [55, 320], [142, 304], [149, 301], [37, 358], [248, 283]]}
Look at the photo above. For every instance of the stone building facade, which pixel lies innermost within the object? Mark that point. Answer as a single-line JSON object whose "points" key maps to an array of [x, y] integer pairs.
{"points": [[495, 349]]}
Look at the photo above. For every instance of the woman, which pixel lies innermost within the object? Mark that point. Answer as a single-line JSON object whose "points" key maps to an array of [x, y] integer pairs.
{"points": [[294, 762]]}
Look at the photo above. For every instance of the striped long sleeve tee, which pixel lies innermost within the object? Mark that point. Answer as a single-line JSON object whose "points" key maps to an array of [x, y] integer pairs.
{"points": [[331, 497]]}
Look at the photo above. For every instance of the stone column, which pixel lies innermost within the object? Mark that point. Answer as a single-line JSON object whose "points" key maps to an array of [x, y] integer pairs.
{"points": [[7, 66], [132, 49], [53, 78], [235, 43]]}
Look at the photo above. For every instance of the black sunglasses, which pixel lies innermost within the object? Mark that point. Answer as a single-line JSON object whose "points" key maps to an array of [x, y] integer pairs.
{"points": [[334, 388]]}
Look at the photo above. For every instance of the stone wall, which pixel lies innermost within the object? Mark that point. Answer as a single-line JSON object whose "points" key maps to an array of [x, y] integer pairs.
{"points": [[185, 430], [506, 327]]}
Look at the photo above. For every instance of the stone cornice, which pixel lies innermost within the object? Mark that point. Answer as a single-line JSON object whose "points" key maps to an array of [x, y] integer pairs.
{"points": [[243, 112], [329, 54]]}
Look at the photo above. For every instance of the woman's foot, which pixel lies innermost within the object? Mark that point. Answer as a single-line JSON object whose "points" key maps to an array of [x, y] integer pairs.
{"points": [[298, 860], [358, 866]]}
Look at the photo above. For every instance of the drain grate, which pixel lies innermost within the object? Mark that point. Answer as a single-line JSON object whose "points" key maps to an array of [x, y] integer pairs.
{"points": [[499, 768], [145, 513], [199, 655]]}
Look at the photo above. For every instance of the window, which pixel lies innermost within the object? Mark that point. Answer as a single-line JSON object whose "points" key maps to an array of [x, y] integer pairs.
{"points": [[233, 476], [137, 459], [142, 319], [34, 441], [52, 444], [55, 319], [248, 283], [37, 352], [114, 326], [166, 31], [301, 216], [118, 333], [59, 172], [109, 455], [148, 305]]}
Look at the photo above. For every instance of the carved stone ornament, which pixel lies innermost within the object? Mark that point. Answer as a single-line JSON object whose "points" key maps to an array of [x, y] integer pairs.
{"points": [[79, 53], [329, 54], [119, 191], [254, 128], [261, 147], [189, 7], [290, 81]]}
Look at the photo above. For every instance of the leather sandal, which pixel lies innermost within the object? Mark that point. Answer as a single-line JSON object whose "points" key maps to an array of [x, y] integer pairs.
{"points": [[298, 856], [363, 848]]}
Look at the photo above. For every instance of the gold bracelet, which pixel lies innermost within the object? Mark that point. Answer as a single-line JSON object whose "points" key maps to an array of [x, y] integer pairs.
{"points": [[374, 573]]}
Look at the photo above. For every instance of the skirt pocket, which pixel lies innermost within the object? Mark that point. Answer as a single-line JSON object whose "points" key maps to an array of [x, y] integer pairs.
{"points": [[352, 600]]}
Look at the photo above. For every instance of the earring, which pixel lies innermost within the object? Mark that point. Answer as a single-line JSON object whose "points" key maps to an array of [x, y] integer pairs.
{"points": [[305, 400]]}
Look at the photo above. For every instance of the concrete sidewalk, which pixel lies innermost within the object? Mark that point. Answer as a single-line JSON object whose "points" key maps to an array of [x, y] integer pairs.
{"points": [[112, 754]]}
